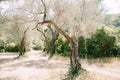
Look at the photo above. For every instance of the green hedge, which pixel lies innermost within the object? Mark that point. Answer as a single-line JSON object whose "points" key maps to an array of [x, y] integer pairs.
{"points": [[82, 47], [100, 44], [46, 47], [62, 47], [12, 48], [37, 47], [4, 47]]}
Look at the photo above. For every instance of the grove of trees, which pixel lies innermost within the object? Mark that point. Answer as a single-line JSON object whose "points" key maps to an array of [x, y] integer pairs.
{"points": [[73, 28]]}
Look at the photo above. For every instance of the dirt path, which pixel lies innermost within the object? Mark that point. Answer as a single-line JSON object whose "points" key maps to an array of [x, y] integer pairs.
{"points": [[36, 66], [103, 71], [108, 71]]}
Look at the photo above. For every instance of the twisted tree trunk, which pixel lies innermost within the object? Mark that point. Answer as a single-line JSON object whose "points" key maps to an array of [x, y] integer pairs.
{"points": [[22, 45], [52, 42], [46, 40], [74, 59]]}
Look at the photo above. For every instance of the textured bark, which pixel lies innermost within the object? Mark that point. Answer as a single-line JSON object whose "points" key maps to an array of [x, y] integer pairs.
{"points": [[44, 12], [74, 59], [52, 43], [22, 44], [46, 40]]}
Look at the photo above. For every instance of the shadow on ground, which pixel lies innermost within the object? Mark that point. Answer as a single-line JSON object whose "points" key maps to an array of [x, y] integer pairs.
{"points": [[12, 64]]}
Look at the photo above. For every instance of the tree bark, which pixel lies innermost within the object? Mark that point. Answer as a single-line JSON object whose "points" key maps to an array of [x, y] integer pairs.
{"points": [[52, 42], [46, 40], [22, 45], [74, 59]]}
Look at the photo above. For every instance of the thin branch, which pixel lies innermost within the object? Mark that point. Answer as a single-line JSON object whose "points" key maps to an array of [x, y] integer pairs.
{"points": [[36, 26], [49, 26], [57, 29], [83, 11], [30, 11], [44, 12], [23, 21], [46, 40], [25, 34], [26, 30]]}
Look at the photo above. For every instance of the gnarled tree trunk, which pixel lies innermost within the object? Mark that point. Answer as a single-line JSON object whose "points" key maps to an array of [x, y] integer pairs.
{"points": [[74, 59], [52, 42], [46, 40], [22, 45]]}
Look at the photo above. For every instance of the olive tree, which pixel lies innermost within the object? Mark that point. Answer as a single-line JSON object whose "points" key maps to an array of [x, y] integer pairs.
{"points": [[74, 59]]}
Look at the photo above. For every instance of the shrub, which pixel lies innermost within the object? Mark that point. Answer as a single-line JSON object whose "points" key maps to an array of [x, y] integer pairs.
{"points": [[2, 46], [36, 47], [46, 47], [10, 48], [82, 47], [62, 47], [101, 44], [73, 72], [5, 47], [116, 51]]}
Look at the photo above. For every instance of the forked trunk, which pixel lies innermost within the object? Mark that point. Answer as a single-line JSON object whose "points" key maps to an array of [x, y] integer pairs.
{"points": [[46, 39], [74, 59], [52, 42]]}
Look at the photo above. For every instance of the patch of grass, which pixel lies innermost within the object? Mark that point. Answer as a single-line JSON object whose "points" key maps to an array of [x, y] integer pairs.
{"points": [[73, 73], [37, 48]]}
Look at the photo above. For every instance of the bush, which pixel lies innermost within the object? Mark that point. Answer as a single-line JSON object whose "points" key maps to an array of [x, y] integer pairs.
{"points": [[5, 47], [116, 51], [36, 47], [2, 46], [82, 47], [73, 72], [62, 47], [10, 48], [101, 44], [46, 47]]}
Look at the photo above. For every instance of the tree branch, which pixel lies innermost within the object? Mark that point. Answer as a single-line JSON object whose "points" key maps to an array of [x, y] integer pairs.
{"points": [[46, 40], [26, 30], [36, 26], [44, 12], [57, 29]]}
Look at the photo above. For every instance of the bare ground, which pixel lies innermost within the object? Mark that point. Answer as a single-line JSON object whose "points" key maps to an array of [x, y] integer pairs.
{"points": [[36, 66]]}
